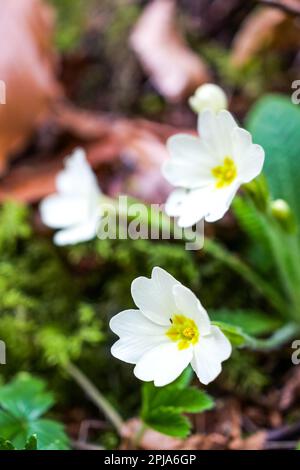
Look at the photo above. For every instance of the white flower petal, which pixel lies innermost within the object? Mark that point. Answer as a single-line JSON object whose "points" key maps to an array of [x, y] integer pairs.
{"points": [[212, 129], [189, 306], [220, 201], [154, 297], [62, 211], [163, 364], [190, 163], [133, 323], [209, 203], [194, 207], [174, 202], [226, 121], [209, 353], [131, 349], [249, 157], [77, 233], [137, 335], [242, 140], [77, 178]]}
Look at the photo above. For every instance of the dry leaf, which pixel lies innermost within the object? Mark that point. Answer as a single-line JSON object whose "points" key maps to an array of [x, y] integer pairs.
{"points": [[26, 67], [265, 28], [174, 69], [212, 441], [291, 6], [254, 442], [127, 155]]}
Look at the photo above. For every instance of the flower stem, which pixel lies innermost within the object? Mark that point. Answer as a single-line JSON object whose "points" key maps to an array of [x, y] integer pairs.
{"points": [[139, 435], [280, 337], [95, 395], [237, 265], [162, 221]]}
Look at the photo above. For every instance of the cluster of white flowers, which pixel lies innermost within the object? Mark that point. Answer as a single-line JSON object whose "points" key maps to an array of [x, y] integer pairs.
{"points": [[170, 329]]}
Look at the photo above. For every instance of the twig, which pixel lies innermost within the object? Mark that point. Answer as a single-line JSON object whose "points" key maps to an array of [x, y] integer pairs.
{"points": [[95, 395], [281, 6], [88, 424]]}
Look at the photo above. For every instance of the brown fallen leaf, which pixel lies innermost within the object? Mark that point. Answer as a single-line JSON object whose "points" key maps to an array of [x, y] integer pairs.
{"points": [[27, 68], [126, 154], [264, 29], [289, 6], [212, 441], [174, 69], [254, 442]]}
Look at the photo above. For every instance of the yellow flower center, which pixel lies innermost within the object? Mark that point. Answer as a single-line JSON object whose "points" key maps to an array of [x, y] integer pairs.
{"points": [[225, 174], [184, 331]]}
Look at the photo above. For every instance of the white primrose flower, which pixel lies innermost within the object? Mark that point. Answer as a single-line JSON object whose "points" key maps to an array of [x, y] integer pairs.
{"points": [[169, 331], [208, 170], [75, 207], [208, 96]]}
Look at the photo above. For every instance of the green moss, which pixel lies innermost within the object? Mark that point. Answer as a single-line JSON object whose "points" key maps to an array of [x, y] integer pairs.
{"points": [[71, 20]]}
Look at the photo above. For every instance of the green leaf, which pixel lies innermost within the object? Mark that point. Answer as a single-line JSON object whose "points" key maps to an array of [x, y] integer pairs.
{"points": [[184, 379], [162, 407], [168, 421], [252, 322], [235, 334], [6, 445], [31, 443], [253, 223], [25, 397], [274, 123], [50, 434], [156, 396], [190, 400], [22, 403]]}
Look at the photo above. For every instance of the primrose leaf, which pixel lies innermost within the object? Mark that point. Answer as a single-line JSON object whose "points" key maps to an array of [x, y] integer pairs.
{"points": [[6, 445], [22, 403], [252, 322], [274, 123], [190, 400], [162, 403], [235, 334], [168, 421], [25, 397], [31, 443]]}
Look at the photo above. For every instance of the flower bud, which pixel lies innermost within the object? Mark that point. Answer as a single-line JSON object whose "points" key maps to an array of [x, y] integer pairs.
{"points": [[208, 96], [280, 209], [284, 215]]}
